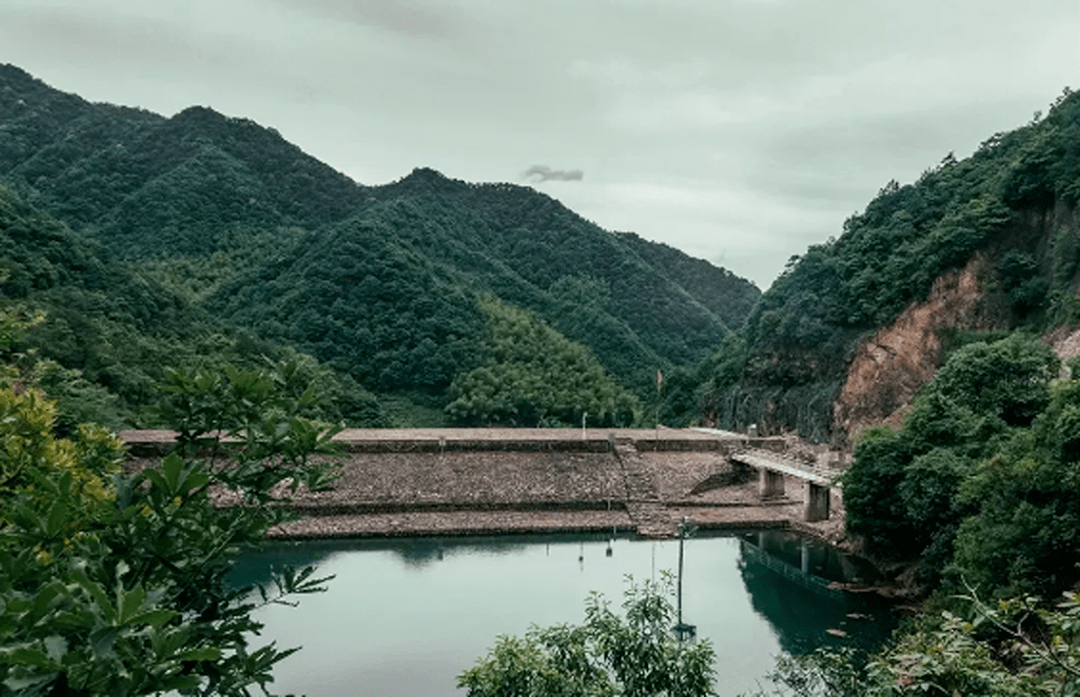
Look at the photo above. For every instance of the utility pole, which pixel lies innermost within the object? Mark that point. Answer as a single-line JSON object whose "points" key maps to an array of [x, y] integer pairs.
{"points": [[683, 632]]}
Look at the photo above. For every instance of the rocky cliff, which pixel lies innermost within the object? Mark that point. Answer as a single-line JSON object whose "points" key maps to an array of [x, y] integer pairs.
{"points": [[888, 369]]}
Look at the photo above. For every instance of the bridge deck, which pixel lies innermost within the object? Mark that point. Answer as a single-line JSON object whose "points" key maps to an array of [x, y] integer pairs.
{"points": [[763, 459]]}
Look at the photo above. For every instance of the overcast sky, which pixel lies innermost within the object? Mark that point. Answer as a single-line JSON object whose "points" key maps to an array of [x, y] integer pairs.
{"points": [[739, 131]]}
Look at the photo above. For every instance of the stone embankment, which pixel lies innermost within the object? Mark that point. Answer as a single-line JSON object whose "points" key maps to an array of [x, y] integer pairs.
{"points": [[475, 481]]}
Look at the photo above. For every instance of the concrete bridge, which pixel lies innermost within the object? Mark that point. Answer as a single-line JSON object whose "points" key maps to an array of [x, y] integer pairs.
{"points": [[773, 463], [469, 481], [773, 467]]}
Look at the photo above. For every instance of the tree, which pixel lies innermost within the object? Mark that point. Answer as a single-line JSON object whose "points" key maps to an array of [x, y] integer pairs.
{"points": [[903, 490], [1022, 537], [1009, 378], [114, 583], [609, 655], [532, 374], [872, 486]]}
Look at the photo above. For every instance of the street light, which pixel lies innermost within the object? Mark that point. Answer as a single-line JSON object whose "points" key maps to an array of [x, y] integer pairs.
{"points": [[683, 631]]}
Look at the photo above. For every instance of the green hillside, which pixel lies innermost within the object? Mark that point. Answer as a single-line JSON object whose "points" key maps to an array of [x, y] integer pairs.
{"points": [[381, 283], [447, 239], [728, 296], [105, 331], [1015, 199], [103, 319]]}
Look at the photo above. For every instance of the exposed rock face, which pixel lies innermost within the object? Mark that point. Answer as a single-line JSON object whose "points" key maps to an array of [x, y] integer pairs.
{"points": [[1066, 343], [897, 360]]}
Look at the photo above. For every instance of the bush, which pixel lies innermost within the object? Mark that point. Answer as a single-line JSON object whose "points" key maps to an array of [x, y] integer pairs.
{"points": [[635, 655], [115, 584]]}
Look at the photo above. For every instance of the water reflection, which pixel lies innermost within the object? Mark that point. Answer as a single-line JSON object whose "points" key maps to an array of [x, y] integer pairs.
{"points": [[405, 616], [414, 552], [789, 582]]}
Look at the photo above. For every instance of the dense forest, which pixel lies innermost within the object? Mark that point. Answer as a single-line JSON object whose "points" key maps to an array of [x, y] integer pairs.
{"points": [[1015, 200], [215, 236]]}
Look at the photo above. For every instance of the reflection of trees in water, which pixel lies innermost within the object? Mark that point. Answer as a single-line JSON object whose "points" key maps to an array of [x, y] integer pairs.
{"points": [[801, 615], [415, 552], [253, 567], [419, 552]]}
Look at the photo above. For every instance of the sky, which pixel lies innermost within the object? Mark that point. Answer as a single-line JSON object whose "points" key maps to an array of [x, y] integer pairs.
{"points": [[739, 131]]}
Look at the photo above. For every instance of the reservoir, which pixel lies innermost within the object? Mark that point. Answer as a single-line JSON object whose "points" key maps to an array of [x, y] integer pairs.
{"points": [[406, 616]]}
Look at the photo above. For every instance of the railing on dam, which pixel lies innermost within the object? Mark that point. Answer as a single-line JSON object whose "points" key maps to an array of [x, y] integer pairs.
{"points": [[792, 467]]}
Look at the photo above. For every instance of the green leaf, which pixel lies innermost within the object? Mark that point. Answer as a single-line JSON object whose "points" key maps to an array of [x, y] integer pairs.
{"points": [[27, 656], [21, 684], [130, 603], [160, 488], [56, 646], [58, 515], [102, 641], [152, 618], [204, 653], [97, 593], [181, 683], [171, 467], [194, 480], [46, 598]]}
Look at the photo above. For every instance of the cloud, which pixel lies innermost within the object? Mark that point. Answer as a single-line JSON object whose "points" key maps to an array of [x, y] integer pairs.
{"points": [[543, 173], [411, 18]]}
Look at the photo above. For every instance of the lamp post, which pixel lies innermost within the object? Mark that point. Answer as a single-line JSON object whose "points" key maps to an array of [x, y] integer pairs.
{"points": [[683, 632]]}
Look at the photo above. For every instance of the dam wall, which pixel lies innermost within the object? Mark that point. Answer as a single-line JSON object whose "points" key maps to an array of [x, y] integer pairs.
{"points": [[475, 481]]}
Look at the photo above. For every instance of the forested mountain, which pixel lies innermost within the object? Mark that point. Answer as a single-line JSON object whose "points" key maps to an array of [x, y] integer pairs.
{"points": [[100, 332], [407, 264], [145, 185], [1008, 214], [729, 296], [385, 284]]}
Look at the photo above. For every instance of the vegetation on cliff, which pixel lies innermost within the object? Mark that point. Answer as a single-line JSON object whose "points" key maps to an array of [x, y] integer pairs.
{"points": [[1015, 197], [977, 482], [978, 490]]}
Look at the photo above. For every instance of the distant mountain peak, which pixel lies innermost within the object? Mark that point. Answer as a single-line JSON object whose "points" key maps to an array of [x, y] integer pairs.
{"points": [[197, 112], [8, 70], [425, 180]]}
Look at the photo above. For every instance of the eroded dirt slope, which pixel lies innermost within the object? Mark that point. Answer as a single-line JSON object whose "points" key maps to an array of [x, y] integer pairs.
{"points": [[897, 360]]}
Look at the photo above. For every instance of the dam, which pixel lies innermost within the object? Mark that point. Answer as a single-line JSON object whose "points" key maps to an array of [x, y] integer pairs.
{"points": [[416, 482]]}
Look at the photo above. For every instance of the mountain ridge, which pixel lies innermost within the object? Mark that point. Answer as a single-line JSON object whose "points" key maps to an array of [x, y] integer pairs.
{"points": [[220, 208]]}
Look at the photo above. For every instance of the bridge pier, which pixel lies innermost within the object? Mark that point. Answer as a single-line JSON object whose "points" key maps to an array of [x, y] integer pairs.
{"points": [[816, 503], [770, 484]]}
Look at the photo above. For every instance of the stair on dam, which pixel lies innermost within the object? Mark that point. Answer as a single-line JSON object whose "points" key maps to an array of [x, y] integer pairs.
{"points": [[643, 504]]}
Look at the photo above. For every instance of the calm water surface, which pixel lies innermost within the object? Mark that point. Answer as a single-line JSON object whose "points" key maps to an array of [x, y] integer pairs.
{"points": [[405, 617]]}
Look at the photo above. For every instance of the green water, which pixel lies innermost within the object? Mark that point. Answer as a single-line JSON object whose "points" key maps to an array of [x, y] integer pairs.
{"points": [[405, 617]]}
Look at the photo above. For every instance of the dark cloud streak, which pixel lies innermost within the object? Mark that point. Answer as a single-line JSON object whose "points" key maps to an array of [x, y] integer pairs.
{"points": [[543, 173]]}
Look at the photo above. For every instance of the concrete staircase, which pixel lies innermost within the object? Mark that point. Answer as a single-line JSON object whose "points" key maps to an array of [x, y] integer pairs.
{"points": [[647, 512]]}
